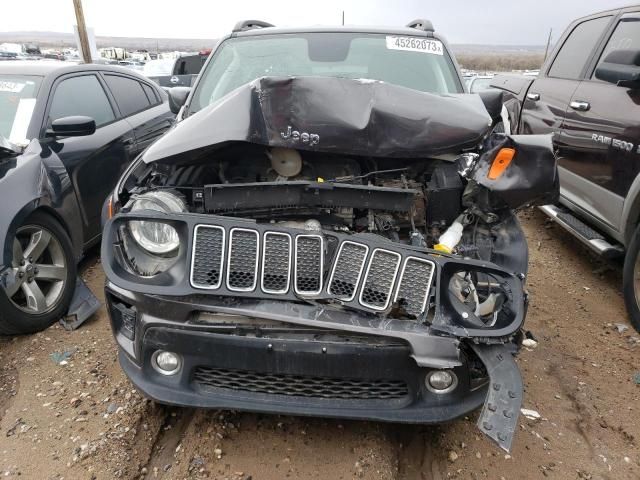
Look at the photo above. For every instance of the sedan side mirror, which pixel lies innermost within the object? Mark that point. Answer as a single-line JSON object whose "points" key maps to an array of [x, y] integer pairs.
{"points": [[177, 98], [621, 67], [76, 126]]}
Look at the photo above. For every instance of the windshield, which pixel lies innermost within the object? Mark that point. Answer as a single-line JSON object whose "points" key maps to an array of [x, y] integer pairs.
{"points": [[414, 62], [156, 68], [17, 101]]}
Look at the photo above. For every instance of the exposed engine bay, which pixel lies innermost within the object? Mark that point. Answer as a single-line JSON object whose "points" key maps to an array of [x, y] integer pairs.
{"points": [[418, 203]]}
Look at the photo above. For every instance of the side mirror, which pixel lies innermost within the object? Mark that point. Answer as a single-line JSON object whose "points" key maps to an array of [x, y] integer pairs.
{"points": [[621, 67], [76, 126], [177, 98]]}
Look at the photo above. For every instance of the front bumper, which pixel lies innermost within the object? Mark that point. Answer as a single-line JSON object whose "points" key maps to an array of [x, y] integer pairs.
{"points": [[379, 376]]}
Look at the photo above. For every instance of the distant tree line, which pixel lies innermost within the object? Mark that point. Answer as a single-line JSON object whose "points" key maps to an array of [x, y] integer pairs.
{"points": [[500, 63]]}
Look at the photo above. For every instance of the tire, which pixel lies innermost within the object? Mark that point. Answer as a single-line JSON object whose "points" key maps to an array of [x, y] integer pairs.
{"points": [[631, 279], [45, 271]]}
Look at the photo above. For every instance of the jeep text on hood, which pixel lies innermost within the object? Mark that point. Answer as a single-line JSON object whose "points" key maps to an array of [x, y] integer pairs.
{"points": [[327, 246]]}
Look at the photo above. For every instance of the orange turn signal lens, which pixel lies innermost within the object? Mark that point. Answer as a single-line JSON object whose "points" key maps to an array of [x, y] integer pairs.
{"points": [[501, 162], [110, 207]]}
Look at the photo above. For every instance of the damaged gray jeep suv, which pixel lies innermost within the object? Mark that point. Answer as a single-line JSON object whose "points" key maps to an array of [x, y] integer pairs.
{"points": [[328, 230]]}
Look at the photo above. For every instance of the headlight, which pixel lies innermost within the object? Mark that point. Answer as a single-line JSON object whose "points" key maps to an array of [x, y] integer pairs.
{"points": [[156, 237]]}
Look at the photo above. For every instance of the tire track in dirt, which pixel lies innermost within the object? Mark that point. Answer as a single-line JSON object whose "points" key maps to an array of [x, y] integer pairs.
{"points": [[170, 434], [417, 455]]}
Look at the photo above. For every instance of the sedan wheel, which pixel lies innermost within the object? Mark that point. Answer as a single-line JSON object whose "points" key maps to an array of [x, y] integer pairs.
{"points": [[39, 269], [39, 285]]}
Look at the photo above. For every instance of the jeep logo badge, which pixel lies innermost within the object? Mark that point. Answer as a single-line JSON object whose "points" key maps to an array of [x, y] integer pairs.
{"points": [[304, 137]]}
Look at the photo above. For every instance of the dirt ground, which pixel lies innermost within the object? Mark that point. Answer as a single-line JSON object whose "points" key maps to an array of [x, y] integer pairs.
{"points": [[67, 411]]}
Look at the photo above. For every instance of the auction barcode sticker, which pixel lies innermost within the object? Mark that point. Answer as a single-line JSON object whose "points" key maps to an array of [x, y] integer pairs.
{"points": [[415, 44], [11, 87]]}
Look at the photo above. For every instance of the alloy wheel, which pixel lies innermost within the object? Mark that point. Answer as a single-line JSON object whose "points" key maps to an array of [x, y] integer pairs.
{"points": [[39, 269]]}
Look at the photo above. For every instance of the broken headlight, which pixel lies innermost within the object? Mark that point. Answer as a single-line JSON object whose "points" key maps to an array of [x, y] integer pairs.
{"points": [[156, 237]]}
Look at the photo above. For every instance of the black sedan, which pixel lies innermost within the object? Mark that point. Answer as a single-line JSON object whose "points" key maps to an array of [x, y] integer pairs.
{"points": [[67, 133]]}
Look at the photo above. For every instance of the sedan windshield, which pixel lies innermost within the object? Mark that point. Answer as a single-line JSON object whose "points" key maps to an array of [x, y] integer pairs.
{"points": [[413, 62], [17, 101]]}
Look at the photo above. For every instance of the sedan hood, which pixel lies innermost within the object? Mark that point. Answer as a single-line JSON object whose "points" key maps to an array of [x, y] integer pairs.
{"points": [[333, 115]]}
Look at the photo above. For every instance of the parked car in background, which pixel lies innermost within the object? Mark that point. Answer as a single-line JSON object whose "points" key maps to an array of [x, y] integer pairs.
{"points": [[8, 55], [479, 83], [67, 133], [176, 72], [328, 231], [588, 96]]}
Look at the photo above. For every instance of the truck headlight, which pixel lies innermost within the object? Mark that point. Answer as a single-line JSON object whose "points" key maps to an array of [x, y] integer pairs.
{"points": [[156, 237]]}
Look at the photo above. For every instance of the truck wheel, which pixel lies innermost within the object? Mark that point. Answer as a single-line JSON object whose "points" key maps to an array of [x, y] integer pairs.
{"points": [[631, 280], [41, 280]]}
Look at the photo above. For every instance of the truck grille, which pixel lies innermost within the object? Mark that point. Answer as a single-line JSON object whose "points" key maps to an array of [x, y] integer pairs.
{"points": [[291, 264], [299, 386]]}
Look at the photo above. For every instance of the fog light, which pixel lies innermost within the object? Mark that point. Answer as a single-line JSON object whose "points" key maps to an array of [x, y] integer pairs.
{"points": [[166, 363], [441, 381]]}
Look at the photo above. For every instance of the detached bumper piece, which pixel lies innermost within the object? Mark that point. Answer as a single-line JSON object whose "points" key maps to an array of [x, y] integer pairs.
{"points": [[499, 417]]}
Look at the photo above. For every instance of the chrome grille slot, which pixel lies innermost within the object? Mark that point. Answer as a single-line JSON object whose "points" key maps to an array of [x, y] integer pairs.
{"points": [[309, 264], [347, 270], [414, 285], [276, 263], [242, 263], [379, 279], [207, 259]]}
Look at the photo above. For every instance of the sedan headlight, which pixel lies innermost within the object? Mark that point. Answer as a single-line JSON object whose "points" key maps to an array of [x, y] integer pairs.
{"points": [[156, 237]]}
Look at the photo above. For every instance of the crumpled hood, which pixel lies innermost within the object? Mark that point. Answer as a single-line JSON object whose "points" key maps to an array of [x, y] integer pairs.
{"points": [[8, 149], [333, 115]]}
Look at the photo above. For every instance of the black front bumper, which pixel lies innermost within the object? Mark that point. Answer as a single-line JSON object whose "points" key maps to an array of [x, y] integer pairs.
{"points": [[376, 377], [331, 371]]}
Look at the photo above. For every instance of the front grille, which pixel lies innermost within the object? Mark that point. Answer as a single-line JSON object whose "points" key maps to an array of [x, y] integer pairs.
{"points": [[242, 270], [415, 281], [286, 264], [299, 386], [206, 268], [379, 279], [309, 264]]}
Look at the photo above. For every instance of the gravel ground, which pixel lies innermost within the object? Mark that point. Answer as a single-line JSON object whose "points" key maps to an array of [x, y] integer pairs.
{"points": [[67, 411]]}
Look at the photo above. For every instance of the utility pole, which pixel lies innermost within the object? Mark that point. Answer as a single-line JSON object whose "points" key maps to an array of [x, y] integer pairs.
{"points": [[82, 32], [342, 17], [546, 50]]}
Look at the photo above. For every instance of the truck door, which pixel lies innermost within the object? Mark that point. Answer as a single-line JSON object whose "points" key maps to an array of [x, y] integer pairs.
{"points": [[548, 97], [598, 144]]}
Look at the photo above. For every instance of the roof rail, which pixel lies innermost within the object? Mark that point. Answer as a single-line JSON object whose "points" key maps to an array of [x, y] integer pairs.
{"points": [[244, 25], [421, 24]]}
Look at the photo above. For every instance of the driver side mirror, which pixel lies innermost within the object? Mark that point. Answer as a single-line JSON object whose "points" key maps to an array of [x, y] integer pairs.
{"points": [[177, 98], [75, 126], [621, 67]]}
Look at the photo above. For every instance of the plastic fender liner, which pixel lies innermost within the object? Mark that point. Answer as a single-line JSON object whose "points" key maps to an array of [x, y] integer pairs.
{"points": [[499, 417]]}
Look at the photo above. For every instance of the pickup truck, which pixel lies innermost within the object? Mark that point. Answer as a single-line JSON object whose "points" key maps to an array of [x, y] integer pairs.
{"points": [[588, 97], [175, 72]]}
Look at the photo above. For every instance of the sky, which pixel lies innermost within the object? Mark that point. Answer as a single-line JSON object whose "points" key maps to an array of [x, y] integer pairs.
{"points": [[506, 22]]}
